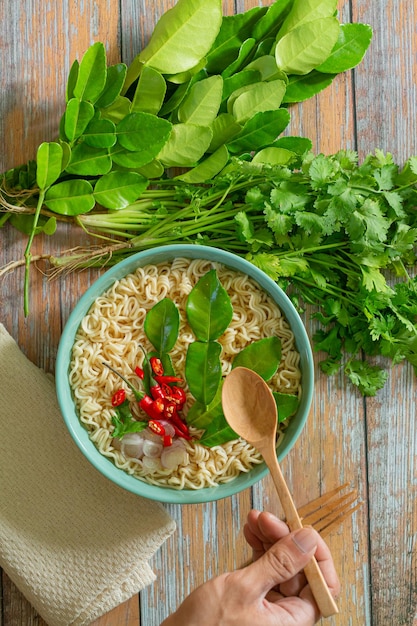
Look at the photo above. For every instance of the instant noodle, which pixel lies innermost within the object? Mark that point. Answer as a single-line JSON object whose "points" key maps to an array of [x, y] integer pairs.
{"points": [[112, 331]]}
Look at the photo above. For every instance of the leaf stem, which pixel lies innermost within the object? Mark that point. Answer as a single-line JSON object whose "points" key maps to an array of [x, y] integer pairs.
{"points": [[4, 218], [28, 256], [333, 291]]}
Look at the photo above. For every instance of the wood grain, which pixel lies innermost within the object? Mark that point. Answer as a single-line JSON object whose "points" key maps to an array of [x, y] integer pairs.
{"points": [[370, 444], [385, 118]]}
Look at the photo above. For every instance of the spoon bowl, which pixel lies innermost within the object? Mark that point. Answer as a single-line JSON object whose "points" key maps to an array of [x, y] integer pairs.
{"points": [[250, 409]]}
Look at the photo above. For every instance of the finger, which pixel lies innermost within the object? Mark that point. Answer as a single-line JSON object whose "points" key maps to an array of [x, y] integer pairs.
{"points": [[326, 564], [294, 586], [262, 530], [265, 527], [255, 543], [281, 562]]}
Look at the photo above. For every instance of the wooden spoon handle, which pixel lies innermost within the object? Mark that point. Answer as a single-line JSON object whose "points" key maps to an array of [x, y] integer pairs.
{"points": [[312, 571]]}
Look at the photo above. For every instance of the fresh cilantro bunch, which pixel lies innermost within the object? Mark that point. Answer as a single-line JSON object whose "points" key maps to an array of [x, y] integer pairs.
{"points": [[342, 237]]}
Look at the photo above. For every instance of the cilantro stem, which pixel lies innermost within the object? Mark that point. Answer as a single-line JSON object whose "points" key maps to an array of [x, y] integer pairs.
{"points": [[341, 267], [364, 188], [334, 291], [410, 184], [302, 251]]}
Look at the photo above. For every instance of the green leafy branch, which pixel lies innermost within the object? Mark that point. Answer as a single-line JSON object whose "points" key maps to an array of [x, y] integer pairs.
{"points": [[186, 106]]}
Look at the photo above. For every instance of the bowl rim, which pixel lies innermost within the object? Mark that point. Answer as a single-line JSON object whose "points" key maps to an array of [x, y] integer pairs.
{"points": [[80, 434]]}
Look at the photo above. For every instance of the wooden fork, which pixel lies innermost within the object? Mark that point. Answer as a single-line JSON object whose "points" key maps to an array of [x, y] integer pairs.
{"points": [[329, 510]]}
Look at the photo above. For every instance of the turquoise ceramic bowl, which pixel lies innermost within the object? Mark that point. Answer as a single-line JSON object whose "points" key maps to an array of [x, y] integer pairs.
{"points": [[80, 434]]}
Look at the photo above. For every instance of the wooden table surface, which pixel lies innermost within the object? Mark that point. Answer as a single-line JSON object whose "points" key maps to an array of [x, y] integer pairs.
{"points": [[371, 444]]}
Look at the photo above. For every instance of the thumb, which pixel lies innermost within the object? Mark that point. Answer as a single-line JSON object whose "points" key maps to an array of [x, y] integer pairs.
{"points": [[282, 561]]}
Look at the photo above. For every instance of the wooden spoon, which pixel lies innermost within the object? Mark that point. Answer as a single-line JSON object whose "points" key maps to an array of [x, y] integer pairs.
{"points": [[250, 409]]}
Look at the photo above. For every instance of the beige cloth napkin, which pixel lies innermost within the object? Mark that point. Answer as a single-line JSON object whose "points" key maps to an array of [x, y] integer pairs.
{"points": [[74, 544]]}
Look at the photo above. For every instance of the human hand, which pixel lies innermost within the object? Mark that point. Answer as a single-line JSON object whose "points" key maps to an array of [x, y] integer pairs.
{"points": [[272, 590], [263, 530]]}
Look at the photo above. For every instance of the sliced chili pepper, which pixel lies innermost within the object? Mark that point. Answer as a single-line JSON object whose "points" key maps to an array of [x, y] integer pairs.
{"points": [[156, 427], [146, 403], [170, 410], [178, 395], [167, 441], [178, 423], [153, 408], [168, 379], [181, 434], [157, 392], [156, 365], [166, 390], [139, 372], [119, 397], [171, 414], [159, 405]]}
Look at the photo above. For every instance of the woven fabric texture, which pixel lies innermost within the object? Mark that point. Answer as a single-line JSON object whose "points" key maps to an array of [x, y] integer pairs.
{"points": [[75, 544]]}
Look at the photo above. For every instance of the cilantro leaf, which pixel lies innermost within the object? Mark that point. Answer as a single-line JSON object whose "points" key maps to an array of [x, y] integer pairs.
{"points": [[124, 422], [269, 263], [329, 342], [329, 366], [374, 280], [322, 170], [368, 378], [385, 176], [367, 224], [289, 197]]}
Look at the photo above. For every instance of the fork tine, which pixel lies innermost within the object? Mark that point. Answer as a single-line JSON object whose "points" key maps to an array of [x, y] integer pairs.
{"points": [[330, 510], [331, 507], [312, 506], [326, 529]]}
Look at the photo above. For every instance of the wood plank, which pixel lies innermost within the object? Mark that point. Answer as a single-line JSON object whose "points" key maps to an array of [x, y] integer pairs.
{"points": [[386, 113], [16, 609], [39, 43], [392, 445], [196, 553], [386, 81], [331, 449], [331, 452], [126, 614]]}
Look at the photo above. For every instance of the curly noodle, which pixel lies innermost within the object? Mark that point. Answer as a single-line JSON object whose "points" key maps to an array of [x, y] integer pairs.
{"points": [[112, 331]]}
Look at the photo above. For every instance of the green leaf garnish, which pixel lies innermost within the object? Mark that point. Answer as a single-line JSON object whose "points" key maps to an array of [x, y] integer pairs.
{"points": [[209, 310], [124, 422], [162, 325], [262, 356]]}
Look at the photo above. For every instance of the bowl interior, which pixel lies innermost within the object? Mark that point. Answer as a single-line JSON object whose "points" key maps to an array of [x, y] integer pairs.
{"points": [[80, 434]]}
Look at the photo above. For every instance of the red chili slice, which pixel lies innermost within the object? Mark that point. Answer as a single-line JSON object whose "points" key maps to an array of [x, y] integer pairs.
{"points": [[156, 365], [153, 408], [170, 410], [181, 434], [168, 379], [171, 414], [178, 395], [157, 392], [166, 390], [119, 397], [156, 427], [139, 372]]}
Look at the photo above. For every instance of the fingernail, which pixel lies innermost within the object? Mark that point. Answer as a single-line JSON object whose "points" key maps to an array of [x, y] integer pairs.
{"points": [[305, 540]]}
